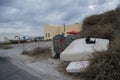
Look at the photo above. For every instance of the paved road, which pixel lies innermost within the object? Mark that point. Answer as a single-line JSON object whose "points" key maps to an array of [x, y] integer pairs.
{"points": [[9, 71]]}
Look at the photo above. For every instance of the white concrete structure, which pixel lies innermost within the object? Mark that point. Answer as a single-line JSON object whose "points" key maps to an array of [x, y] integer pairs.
{"points": [[78, 50], [77, 67]]}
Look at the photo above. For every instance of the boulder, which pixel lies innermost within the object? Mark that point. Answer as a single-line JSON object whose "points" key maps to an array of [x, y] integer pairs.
{"points": [[78, 50]]}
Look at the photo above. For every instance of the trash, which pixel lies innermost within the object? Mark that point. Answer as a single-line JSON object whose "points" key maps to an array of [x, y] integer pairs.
{"points": [[78, 50], [60, 43], [89, 41], [77, 67]]}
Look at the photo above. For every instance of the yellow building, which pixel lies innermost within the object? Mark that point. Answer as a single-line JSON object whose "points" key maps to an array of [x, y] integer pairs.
{"points": [[52, 30]]}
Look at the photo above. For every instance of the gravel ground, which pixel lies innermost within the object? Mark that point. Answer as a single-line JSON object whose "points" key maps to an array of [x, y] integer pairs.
{"points": [[45, 66]]}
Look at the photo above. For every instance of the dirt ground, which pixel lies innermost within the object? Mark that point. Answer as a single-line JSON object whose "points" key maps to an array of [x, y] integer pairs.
{"points": [[48, 66]]}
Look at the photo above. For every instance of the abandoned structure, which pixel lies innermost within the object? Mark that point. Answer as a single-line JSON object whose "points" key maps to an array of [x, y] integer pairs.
{"points": [[52, 30]]}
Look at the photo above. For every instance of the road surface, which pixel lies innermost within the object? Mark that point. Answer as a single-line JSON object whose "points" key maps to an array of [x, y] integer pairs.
{"points": [[9, 71]]}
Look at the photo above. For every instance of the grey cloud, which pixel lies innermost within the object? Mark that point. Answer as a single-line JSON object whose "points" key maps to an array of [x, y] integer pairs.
{"points": [[31, 15], [6, 2]]}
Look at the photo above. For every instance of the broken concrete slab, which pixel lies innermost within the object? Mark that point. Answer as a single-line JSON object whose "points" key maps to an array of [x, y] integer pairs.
{"points": [[78, 50], [77, 67]]}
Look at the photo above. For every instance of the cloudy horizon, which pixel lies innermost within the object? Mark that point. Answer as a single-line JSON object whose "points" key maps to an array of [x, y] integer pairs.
{"points": [[29, 16]]}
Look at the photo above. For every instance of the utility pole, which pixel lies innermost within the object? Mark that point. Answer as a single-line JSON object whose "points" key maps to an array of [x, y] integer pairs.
{"points": [[64, 28]]}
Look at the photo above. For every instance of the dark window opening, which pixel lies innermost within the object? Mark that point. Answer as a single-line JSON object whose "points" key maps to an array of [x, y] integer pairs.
{"points": [[46, 34]]}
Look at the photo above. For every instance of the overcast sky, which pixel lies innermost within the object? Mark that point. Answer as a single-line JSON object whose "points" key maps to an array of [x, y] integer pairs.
{"points": [[29, 16]]}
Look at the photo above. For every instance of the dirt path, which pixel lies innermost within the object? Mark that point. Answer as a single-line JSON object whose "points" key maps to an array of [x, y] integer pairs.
{"points": [[45, 66]]}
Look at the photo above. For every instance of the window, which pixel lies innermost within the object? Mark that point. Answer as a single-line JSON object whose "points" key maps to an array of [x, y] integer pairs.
{"points": [[48, 34]]}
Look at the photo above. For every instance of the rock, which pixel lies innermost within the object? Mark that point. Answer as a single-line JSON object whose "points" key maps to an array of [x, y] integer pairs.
{"points": [[78, 50], [77, 67]]}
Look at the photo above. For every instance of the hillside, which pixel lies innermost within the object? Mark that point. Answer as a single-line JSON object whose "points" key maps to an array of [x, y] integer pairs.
{"points": [[105, 65]]}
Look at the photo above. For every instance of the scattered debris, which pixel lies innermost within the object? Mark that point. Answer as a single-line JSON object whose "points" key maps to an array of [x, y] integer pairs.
{"points": [[77, 67], [79, 50], [60, 42]]}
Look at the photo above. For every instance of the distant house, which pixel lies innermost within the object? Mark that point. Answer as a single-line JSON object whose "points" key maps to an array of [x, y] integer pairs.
{"points": [[52, 30]]}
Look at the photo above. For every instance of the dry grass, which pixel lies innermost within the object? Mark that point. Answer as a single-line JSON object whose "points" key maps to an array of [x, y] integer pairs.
{"points": [[104, 65], [39, 52], [104, 31], [103, 25], [5, 47]]}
